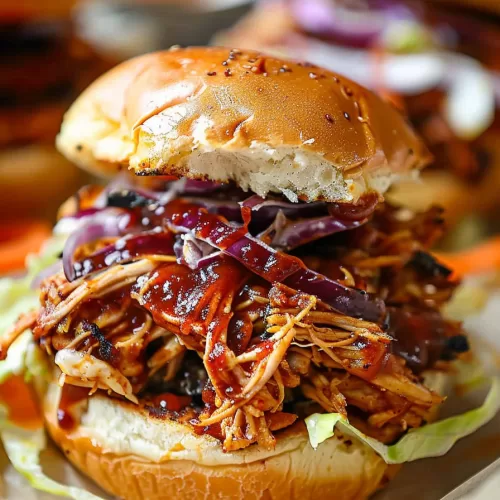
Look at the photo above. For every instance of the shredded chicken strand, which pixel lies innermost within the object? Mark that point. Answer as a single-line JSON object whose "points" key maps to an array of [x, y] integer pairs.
{"points": [[105, 283], [93, 371], [25, 322], [260, 346]]}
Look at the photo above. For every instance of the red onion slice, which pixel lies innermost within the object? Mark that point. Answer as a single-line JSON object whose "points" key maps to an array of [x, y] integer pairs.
{"points": [[125, 250], [270, 207], [103, 224], [193, 186], [209, 259], [268, 263], [72, 223], [354, 26], [190, 251], [292, 234]]}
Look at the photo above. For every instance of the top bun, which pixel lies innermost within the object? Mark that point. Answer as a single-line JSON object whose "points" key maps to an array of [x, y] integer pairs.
{"points": [[224, 114]]}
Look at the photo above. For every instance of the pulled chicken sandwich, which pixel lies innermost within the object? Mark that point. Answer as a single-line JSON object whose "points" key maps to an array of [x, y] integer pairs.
{"points": [[249, 277]]}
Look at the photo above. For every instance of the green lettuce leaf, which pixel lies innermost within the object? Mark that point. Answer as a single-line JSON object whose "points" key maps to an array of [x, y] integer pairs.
{"points": [[23, 447], [432, 440], [16, 295], [15, 363], [321, 427], [16, 298]]}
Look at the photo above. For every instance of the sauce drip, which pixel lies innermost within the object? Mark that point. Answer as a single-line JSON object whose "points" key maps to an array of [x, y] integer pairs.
{"points": [[171, 402], [71, 396], [422, 337], [188, 299]]}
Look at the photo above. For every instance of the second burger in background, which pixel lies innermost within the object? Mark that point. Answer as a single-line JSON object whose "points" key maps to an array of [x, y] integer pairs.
{"points": [[438, 63], [44, 66]]}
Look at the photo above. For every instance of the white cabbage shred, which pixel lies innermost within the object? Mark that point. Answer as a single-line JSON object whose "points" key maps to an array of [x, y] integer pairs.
{"points": [[23, 447]]}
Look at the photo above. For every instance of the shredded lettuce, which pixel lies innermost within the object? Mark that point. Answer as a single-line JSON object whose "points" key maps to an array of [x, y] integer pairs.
{"points": [[16, 298], [407, 37], [23, 447], [16, 295], [15, 364], [431, 440], [321, 427]]}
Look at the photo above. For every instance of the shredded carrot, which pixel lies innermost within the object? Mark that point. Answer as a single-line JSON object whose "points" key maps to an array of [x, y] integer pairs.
{"points": [[19, 239], [21, 403], [479, 259]]}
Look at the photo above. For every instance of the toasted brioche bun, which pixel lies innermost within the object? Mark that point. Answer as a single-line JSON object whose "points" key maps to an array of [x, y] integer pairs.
{"points": [[268, 124], [135, 456]]}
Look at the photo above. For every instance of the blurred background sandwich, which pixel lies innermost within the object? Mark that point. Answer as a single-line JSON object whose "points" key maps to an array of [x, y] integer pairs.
{"points": [[44, 65], [437, 61]]}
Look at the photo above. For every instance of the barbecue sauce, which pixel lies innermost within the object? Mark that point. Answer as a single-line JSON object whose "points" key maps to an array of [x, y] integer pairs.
{"points": [[171, 402], [423, 337], [368, 365], [240, 332], [273, 266], [71, 396], [189, 299]]}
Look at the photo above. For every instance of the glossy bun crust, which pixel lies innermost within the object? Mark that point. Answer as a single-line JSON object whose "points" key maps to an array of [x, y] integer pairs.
{"points": [[225, 114], [134, 456]]}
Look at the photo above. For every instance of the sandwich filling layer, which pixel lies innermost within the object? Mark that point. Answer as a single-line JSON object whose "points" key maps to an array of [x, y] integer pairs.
{"points": [[238, 316]]}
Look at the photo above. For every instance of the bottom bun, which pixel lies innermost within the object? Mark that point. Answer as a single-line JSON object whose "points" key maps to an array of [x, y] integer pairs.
{"points": [[133, 455]]}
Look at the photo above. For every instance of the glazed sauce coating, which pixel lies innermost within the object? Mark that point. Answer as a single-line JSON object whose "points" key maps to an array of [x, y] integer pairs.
{"points": [[71, 395], [274, 267], [369, 359], [181, 297]]}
